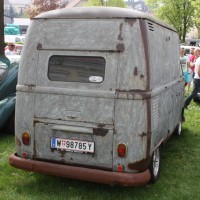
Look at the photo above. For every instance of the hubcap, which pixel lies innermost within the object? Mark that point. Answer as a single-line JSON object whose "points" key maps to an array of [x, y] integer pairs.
{"points": [[179, 128], [156, 161]]}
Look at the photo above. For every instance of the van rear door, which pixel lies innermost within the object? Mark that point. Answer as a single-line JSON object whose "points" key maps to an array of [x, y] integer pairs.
{"points": [[74, 106]]}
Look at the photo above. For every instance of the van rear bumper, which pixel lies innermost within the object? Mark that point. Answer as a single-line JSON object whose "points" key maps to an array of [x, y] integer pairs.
{"points": [[80, 173]]}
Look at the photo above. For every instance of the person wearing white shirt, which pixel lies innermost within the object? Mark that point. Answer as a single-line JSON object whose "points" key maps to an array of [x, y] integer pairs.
{"points": [[10, 49], [196, 86]]}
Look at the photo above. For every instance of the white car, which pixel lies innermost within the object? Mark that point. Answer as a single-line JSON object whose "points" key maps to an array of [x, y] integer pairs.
{"points": [[14, 38]]}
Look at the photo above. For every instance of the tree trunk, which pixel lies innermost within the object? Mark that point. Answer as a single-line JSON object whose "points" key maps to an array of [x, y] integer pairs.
{"points": [[1, 27]]}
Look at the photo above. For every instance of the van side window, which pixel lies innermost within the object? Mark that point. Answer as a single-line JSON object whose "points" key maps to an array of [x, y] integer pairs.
{"points": [[76, 69]]}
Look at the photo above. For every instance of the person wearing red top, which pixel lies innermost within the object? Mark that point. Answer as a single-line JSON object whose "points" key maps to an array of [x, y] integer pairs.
{"points": [[193, 56]]}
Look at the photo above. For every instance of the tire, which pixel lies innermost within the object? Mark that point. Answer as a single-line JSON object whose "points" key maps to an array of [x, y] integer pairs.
{"points": [[155, 165], [178, 129]]}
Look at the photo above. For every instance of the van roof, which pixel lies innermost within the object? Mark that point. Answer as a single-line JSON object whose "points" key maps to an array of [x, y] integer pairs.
{"points": [[99, 13]]}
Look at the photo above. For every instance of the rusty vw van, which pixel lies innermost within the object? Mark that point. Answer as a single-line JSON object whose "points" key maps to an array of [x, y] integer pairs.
{"points": [[99, 91]]}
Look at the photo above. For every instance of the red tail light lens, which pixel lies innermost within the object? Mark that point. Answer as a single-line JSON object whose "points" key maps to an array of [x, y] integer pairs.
{"points": [[26, 138], [122, 150], [120, 168]]}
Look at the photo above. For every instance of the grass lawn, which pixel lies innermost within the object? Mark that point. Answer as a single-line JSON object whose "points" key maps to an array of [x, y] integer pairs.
{"points": [[179, 178]]}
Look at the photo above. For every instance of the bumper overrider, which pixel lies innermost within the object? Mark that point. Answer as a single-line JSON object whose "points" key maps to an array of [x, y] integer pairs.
{"points": [[81, 173]]}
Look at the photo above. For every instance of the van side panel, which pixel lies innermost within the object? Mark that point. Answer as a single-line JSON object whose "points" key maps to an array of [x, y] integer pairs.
{"points": [[163, 54], [166, 82]]}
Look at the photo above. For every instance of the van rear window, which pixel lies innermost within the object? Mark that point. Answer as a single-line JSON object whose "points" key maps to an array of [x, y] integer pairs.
{"points": [[76, 69]]}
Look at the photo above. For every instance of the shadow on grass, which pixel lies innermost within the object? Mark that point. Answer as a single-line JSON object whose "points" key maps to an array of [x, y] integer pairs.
{"points": [[61, 188]]}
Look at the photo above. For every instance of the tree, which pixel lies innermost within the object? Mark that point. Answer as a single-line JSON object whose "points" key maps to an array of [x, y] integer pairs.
{"points": [[110, 3], [196, 18], [12, 12], [40, 6], [178, 13]]}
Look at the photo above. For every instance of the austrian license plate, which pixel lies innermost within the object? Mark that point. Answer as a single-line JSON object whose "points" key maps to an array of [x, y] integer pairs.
{"points": [[72, 145]]}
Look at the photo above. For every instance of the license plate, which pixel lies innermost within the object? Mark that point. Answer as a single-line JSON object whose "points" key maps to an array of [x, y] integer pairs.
{"points": [[72, 145]]}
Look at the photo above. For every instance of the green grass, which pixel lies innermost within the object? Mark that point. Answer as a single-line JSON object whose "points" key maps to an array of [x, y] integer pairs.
{"points": [[179, 178]]}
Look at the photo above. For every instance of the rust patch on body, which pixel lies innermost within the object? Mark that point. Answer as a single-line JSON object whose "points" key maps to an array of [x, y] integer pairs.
{"points": [[101, 125], [143, 93], [120, 47], [130, 21], [31, 87], [140, 165], [100, 131], [135, 71], [143, 134], [39, 46], [120, 32]]}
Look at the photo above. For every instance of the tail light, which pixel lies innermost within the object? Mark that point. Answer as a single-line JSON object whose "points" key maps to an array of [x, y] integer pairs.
{"points": [[122, 150], [26, 138]]}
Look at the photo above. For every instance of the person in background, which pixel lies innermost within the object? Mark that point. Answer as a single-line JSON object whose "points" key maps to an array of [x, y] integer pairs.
{"points": [[191, 69], [193, 58], [191, 55], [185, 65], [196, 87], [10, 49]]}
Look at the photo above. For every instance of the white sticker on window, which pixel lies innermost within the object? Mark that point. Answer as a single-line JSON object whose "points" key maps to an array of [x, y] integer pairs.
{"points": [[95, 79]]}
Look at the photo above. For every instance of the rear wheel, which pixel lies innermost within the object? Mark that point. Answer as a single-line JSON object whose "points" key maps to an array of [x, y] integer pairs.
{"points": [[178, 128], [155, 165]]}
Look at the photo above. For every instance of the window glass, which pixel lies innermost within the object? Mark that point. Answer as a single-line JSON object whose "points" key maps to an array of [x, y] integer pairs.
{"points": [[76, 69]]}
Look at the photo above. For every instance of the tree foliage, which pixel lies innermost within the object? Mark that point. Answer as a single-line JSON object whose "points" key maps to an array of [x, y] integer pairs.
{"points": [[196, 18], [178, 13], [109, 3], [40, 6]]}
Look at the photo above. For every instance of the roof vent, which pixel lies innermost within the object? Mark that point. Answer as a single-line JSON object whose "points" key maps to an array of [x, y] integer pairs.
{"points": [[151, 26]]}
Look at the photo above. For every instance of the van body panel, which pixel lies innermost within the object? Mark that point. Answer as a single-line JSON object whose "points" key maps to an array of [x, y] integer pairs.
{"points": [[108, 84], [107, 33], [69, 109], [135, 76], [102, 78], [131, 131], [163, 71], [102, 158]]}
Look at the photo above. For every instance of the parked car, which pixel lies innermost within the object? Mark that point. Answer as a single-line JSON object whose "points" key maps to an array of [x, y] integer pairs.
{"points": [[8, 81], [14, 38]]}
